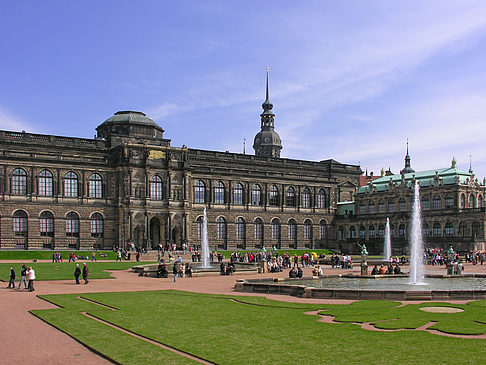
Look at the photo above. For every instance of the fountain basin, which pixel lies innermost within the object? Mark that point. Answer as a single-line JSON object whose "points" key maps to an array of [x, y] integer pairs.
{"points": [[438, 287]]}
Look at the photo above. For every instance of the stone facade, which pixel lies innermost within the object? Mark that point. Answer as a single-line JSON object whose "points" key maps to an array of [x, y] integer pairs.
{"points": [[130, 185], [452, 205]]}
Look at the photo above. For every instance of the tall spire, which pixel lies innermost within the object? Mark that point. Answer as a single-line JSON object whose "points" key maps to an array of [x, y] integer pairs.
{"points": [[267, 141], [407, 169]]}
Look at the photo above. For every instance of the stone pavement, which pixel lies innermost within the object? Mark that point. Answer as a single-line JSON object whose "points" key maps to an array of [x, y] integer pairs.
{"points": [[26, 339]]}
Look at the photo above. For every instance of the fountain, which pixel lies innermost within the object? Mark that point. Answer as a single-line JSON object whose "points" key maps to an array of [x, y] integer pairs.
{"points": [[204, 243], [416, 243], [387, 252], [390, 287]]}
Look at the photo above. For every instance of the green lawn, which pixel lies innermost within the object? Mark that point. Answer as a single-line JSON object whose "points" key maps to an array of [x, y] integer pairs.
{"points": [[255, 330], [65, 270], [47, 255]]}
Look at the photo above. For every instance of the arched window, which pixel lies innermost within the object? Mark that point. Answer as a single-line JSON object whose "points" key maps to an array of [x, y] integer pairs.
{"points": [[240, 228], [156, 187], [292, 230], [402, 205], [273, 196], [321, 199], [238, 194], [219, 193], [392, 230], [362, 232], [256, 195], [371, 232], [480, 201], [425, 204], [437, 202], [199, 192], [425, 230], [70, 185], [401, 230], [322, 230], [290, 197], [96, 225], [45, 183], [19, 182], [352, 232], [307, 229], [95, 186], [20, 223], [381, 206], [391, 205], [46, 224], [221, 228], [449, 229], [258, 231], [362, 208], [381, 230], [340, 233], [463, 201], [449, 201], [275, 229], [72, 224], [306, 198], [371, 207], [436, 232], [199, 227], [463, 229], [472, 201]]}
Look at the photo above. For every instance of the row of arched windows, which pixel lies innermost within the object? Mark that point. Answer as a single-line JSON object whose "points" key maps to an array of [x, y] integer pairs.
{"points": [[45, 184], [389, 206], [258, 228], [256, 195], [428, 230], [46, 224]]}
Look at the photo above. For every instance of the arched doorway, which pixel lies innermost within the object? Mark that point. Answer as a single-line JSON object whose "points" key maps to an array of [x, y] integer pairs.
{"points": [[138, 236], [155, 232], [177, 236]]}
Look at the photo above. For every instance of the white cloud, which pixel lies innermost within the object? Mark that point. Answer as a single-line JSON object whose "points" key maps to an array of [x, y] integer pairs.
{"points": [[10, 122]]}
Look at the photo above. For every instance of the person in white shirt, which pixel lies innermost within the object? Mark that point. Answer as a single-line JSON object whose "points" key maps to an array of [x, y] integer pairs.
{"points": [[31, 278]]}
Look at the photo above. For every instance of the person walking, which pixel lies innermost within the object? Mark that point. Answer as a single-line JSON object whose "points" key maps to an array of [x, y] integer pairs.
{"points": [[175, 270], [85, 273], [77, 272], [11, 283], [31, 277], [93, 256], [23, 276]]}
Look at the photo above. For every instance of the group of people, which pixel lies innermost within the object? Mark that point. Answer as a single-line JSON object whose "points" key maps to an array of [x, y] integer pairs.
{"points": [[180, 269], [228, 269], [85, 272], [343, 261], [26, 274], [387, 270]]}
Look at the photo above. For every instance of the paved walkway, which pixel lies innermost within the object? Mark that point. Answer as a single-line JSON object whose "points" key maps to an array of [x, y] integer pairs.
{"points": [[26, 339]]}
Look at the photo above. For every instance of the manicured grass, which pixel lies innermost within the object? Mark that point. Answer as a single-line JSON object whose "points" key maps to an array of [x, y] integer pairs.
{"points": [[65, 270], [47, 255], [255, 330]]}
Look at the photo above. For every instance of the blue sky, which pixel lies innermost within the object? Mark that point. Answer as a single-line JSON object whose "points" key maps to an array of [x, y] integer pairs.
{"points": [[349, 80]]}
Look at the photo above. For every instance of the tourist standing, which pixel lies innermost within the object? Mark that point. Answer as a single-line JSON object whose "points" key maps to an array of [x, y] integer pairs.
{"points": [[77, 272], [93, 256], [11, 283], [85, 273], [23, 276], [175, 270], [31, 277]]}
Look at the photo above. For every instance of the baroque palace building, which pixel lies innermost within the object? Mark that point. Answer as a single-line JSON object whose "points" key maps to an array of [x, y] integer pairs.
{"points": [[130, 185], [452, 207]]}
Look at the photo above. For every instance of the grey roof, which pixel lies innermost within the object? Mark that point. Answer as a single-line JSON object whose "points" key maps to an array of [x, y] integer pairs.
{"points": [[130, 117]]}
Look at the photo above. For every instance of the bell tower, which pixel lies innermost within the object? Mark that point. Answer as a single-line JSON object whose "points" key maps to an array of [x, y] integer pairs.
{"points": [[267, 142]]}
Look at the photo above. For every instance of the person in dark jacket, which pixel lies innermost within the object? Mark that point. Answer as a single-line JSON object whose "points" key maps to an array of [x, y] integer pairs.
{"points": [[23, 276], [77, 272], [11, 283], [85, 273]]}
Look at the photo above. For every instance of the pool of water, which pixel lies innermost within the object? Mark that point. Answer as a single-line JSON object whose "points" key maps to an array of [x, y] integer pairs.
{"points": [[456, 283]]}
